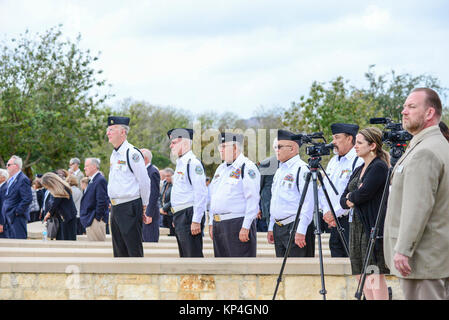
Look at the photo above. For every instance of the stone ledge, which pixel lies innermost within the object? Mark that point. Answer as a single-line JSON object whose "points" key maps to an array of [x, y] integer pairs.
{"points": [[238, 266]]}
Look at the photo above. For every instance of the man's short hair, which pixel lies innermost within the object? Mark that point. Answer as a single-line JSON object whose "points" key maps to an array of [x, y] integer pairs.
{"points": [[432, 100], [170, 171], [18, 161], [4, 173], [75, 160], [126, 128], [147, 153], [95, 161]]}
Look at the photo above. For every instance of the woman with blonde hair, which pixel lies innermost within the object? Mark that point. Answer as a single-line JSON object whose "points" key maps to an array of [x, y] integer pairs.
{"points": [[63, 207], [364, 194]]}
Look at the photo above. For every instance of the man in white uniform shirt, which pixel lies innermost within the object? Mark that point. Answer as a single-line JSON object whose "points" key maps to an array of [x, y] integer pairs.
{"points": [[128, 191], [339, 169], [188, 195], [235, 199], [286, 191]]}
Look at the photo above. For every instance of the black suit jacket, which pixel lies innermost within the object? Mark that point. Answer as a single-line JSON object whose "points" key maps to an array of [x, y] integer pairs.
{"points": [[153, 207], [2, 195], [95, 201], [368, 197], [63, 207], [164, 200]]}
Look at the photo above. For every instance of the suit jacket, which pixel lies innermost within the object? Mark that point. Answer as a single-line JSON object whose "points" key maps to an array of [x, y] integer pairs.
{"points": [[17, 201], [2, 196], [368, 197], [417, 219], [63, 207], [150, 232], [95, 201], [153, 207], [164, 199]]}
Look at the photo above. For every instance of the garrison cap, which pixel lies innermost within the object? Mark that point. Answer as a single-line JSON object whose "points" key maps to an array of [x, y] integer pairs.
{"points": [[112, 120], [180, 133], [287, 135], [351, 129], [228, 136]]}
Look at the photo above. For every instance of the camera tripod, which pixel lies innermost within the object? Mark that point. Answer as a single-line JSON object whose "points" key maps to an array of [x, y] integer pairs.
{"points": [[314, 165]]}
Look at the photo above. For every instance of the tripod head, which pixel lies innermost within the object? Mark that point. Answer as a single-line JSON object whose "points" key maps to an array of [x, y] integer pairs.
{"points": [[315, 151]]}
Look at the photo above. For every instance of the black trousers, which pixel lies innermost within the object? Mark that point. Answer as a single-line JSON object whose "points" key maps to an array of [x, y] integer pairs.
{"points": [[188, 245], [126, 229], [335, 245], [226, 239], [282, 235]]}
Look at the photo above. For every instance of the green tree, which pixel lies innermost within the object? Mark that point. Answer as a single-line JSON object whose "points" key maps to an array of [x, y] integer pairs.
{"points": [[327, 105], [49, 101], [390, 90]]}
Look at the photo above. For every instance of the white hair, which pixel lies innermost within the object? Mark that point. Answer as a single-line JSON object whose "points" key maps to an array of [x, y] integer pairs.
{"points": [[75, 160], [4, 173], [18, 161], [126, 128], [147, 153], [95, 161]]}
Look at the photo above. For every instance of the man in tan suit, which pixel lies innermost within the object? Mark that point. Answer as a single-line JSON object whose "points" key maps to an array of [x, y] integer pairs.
{"points": [[416, 234]]}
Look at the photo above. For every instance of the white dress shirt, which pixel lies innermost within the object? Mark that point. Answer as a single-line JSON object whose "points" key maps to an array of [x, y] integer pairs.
{"points": [[339, 171], [184, 193], [285, 196], [232, 194], [124, 184]]}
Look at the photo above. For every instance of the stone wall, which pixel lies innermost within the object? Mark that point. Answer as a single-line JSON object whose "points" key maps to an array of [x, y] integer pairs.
{"points": [[57, 286]]}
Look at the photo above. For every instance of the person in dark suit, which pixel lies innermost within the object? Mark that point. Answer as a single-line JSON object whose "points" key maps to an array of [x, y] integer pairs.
{"points": [[164, 201], [95, 202], [62, 207], [4, 176], [17, 200], [267, 169], [150, 230]]}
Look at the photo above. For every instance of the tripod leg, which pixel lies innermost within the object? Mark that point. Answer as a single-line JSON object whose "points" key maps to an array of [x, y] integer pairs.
{"points": [[292, 233], [373, 237], [318, 232], [339, 227]]}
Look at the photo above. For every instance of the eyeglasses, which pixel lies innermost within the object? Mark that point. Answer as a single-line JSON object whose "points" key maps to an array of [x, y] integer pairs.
{"points": [[280, 146]]}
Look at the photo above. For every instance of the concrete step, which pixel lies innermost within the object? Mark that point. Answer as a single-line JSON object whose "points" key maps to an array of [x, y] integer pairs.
{"points": [[104, 253]]}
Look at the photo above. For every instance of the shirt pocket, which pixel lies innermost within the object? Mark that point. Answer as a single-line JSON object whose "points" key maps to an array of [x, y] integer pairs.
{"points": [[232, 181]]}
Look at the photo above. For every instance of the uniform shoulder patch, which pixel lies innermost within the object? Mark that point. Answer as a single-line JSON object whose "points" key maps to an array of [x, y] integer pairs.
{"points": [[199, 170], [252, 173], [135, 157]]}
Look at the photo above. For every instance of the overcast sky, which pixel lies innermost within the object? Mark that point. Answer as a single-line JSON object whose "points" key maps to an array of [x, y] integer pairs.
{"points": [[237, 55]]}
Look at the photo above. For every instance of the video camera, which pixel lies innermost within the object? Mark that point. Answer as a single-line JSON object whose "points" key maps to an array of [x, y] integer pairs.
{"points": [[396, 134], [316, 149], [396, 138]]}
